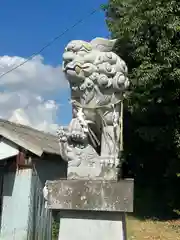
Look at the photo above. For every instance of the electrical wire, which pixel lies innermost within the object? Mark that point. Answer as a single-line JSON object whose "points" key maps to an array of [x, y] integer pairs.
{"points": [[50, 43]]}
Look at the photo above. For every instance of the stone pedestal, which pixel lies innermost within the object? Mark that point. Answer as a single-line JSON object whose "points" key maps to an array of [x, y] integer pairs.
{"points": [[91, 209], [97, 172], [87, 225]]}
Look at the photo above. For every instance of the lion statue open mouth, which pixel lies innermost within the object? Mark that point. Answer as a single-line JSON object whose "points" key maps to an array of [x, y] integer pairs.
{"points": [[83, 60], [98, 80], [96, 74]]}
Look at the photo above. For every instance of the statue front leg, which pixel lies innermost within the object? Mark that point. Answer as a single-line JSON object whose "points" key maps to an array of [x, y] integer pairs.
{"points": [[110, 138], [67, 150]]}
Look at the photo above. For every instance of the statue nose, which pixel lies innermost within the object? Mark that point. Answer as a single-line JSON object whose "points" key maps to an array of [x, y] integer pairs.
{"points": [[67, 56]]}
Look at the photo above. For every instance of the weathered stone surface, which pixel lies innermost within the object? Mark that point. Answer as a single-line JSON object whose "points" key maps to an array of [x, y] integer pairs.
{"points": [[98, 80], [98, 172], [91, 195]]}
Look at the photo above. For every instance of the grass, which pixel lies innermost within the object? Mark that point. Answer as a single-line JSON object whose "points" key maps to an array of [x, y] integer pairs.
{"points": [[152, 229]]}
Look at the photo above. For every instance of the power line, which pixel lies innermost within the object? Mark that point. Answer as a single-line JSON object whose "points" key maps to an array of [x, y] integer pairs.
{"points": [[50, 43]]}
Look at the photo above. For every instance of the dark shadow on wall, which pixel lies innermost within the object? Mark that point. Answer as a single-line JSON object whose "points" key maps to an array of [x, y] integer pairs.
{"points": [[51, 167]]}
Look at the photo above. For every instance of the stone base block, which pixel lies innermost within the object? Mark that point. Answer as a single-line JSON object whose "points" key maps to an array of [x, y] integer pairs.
{"points": [[87, 195], [85, 225], [91, 210], [97, 172]]}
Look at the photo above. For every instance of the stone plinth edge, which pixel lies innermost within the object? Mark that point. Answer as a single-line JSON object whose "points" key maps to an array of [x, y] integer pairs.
{"points": [[87, 195]]}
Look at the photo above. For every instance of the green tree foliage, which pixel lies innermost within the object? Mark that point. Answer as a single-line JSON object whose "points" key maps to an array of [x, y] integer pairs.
{"points": [[148, 33]]}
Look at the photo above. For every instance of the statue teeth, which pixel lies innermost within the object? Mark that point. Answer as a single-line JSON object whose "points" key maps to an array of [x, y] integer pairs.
{"points": [[77, 69]]}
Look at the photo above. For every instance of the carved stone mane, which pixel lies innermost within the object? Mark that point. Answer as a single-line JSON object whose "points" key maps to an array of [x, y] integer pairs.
{"points": [[98, 80]]}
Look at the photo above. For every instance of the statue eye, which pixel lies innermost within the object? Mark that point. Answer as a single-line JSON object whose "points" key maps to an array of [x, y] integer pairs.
{"points": [[87, 47]]}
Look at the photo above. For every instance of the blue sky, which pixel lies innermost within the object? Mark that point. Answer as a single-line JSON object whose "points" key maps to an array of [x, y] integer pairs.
{"points": [[26, 26]]}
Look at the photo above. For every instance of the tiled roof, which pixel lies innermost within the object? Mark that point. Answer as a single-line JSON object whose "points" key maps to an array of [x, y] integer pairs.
{"points": [[33, 140]]}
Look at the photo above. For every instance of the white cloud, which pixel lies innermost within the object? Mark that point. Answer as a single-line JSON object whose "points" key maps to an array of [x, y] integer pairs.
{"points": [[34, 75], [23, 92]]}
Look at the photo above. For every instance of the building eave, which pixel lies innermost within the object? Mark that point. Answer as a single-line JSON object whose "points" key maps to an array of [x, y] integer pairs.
{"points": [[37, 150]]}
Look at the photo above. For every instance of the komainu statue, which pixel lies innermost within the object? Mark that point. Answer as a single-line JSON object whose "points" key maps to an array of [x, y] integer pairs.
{"points": [[98, 80]]}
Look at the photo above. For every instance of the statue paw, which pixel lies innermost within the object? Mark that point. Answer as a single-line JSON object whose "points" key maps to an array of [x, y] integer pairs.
{"points": [[78, 136], [62, 134]]}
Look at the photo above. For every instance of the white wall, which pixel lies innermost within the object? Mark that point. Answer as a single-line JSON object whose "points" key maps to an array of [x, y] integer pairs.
{"points": [[16, 203]]}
